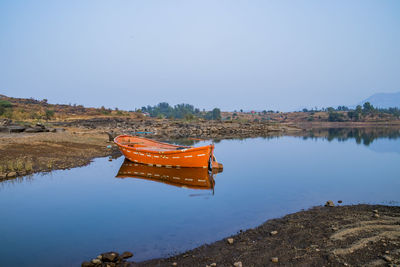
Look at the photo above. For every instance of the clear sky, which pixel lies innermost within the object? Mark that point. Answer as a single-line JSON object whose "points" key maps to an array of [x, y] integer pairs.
{"points": [[279, 55]]}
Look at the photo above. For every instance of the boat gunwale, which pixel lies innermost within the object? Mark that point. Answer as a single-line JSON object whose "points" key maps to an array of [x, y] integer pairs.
{"points": [[186, 150]]}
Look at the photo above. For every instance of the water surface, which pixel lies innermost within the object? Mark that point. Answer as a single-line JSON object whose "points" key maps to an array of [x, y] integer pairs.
{"points": [[66, 217]]}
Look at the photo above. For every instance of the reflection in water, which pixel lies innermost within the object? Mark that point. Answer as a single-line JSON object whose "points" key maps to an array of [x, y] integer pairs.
{"points": [[193, 178], [362, 135]]}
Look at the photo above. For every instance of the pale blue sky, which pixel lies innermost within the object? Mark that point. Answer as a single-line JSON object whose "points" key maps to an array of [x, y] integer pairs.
{"points": [[233, 54]]}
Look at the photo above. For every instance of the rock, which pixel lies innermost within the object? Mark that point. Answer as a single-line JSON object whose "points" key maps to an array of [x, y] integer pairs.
{"points": [[110, 256], [15, 128], [387, 258], [375, 211], [329, 203], [213, 264], [5, 122], [230, 241], [275, 259], [87, 264], [376, 215], [387, 252], [238, 264], [60, 130], [52, 130], [11, 174], [126, 255], [100, 257], [174, 264], [274, 232], [96, 261], [34, 130]]}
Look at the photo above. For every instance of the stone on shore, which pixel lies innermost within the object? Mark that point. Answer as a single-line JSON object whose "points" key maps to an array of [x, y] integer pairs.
{"points": [[329, 203], [11, 174], [34, 130], [230, 241], [96, 261], [238, 264], [274, 232], [110, 256], [126, 255], [87, 264], [275, 259]]}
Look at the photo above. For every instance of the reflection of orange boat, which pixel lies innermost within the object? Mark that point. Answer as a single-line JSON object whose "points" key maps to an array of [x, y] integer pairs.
{"points": [[146, 151], [194, 178]]}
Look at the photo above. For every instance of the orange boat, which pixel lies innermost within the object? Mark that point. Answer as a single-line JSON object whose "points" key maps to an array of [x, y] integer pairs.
{"points": [[193, 178], [153, 153]]}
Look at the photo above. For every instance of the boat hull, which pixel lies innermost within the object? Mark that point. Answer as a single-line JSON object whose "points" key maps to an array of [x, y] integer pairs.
{"points": [[153, 153]]}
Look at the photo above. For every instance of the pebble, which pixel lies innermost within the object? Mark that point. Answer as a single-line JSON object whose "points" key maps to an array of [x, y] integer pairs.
{"points": [[376, 215], [274, 232], [213, 264], [96, 261], [11, 174], [387, 258], [100, 257], [375, 211], [329, 203], [174, 264], [230, 241], [387, 252], [126, 255], [275, 259], [238, 264]]}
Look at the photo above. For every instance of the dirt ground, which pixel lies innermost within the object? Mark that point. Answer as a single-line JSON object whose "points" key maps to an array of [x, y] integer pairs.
{"points": [[360, 235], [26, 153]]}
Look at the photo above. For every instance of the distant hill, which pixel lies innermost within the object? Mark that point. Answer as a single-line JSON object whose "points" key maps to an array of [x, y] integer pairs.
{"points": [[384, 100]]}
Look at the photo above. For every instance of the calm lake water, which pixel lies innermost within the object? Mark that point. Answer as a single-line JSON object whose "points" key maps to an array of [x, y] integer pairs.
{"points": [[66, 217]]}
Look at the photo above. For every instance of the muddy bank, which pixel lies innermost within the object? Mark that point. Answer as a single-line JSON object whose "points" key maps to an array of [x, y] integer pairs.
{"points": [[27, 153], [359, 235]]}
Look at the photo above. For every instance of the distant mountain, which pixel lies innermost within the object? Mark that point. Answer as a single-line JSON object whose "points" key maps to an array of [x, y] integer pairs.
{"points": [[384, 100]]}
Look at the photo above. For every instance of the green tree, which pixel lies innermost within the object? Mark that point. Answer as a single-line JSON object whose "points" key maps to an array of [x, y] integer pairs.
{"points": [[49, 114], [4, 105], [335, 116], [216, 114], [368, 108]]}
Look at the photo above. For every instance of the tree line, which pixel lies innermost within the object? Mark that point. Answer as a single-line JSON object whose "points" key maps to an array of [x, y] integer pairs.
{"points": [[360, 112], [180, 111]]}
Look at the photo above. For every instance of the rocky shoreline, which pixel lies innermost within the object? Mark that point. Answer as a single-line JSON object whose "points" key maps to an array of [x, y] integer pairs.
{"points": [[356, 235], [162, 128]]}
